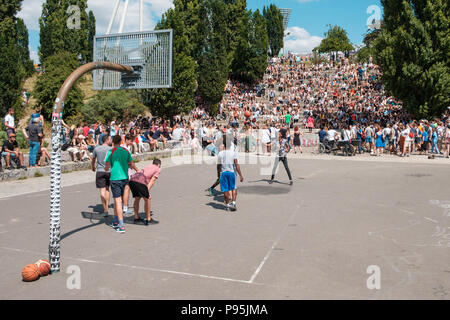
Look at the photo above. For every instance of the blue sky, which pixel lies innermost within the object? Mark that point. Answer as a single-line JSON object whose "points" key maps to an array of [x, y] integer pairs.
{"points": [[315, 15], [309, 18]]}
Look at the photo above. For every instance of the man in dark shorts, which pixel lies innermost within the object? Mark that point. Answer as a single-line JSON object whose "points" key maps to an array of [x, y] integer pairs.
{"points": [[118, 160], [140, 184], [102, 177]]}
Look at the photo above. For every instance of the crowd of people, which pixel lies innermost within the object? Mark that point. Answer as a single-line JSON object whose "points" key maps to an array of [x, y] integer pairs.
{"points": [[341, 101]]}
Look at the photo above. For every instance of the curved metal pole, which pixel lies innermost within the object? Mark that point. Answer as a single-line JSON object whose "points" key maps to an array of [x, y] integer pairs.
{"points": [[55, 175]]}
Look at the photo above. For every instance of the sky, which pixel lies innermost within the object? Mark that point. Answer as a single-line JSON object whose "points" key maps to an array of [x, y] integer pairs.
{"points": [[306, 28]]}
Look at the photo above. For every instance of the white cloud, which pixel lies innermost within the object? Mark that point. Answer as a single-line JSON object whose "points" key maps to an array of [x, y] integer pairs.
{"points": [[103, 9], [30, 13], [300, 41], [34, 55]]}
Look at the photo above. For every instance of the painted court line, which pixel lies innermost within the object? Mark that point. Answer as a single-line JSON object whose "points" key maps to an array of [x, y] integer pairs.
{"points": [[255, 274], [137, 267]]}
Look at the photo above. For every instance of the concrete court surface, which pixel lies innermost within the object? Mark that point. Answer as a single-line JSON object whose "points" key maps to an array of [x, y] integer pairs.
{"points": [[314, 240]]}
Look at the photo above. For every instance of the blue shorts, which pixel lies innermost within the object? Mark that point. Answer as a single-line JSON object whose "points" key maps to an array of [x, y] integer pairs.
{"points": [[368, 140], [227, 181], [13, 155], [118, 187]]}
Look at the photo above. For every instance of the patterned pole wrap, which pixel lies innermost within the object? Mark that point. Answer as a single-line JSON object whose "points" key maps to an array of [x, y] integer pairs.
{"points": [[55, 176], [55, 193]]}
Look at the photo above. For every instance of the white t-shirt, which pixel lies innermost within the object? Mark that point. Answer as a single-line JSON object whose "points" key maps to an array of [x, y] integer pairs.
{"points": [[331, 134], [346, 135], [405, 133], [265, 136], [177, 134], [226, 159], [9, 120]]}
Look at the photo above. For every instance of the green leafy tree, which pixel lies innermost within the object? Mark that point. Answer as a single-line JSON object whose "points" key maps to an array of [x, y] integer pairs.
{"points": [[236, 11], [250, 61], [213, 63], [56, 70], [90, 37], [120, 105], [275, 28], [369, 42], [11, 69], [24, 51], [413, 51], [179, 98], [335, 39], [184, 20], [55, 34]]}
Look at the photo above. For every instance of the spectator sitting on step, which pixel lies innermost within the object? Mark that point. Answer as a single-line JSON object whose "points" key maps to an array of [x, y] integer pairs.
{"points": [[159, 137], [10, 151], [43, 154], [78, 149], [90, 142]]}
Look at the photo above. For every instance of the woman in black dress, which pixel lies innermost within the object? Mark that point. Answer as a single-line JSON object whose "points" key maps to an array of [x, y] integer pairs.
{"points": [[297, 142]]}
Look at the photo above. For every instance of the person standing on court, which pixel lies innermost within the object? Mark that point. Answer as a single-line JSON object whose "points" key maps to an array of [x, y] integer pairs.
{"points": [[102, 178], [140, 184], [227, 166], [282, 156], [118, 160]]}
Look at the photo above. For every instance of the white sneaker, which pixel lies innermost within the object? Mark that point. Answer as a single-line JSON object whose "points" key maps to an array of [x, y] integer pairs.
{"points": [[129, 211]]}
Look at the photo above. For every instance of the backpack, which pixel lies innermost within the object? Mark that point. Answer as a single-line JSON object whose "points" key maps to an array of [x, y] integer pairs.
{"points": [[363, 135], [4, 122]]}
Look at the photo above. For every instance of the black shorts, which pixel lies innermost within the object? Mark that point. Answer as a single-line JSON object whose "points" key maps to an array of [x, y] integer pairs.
{"points": [[102, 180], [139, 190]]}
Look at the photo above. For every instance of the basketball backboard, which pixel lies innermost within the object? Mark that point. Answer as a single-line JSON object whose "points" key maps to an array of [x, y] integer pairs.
{"points": [[148, 52]]}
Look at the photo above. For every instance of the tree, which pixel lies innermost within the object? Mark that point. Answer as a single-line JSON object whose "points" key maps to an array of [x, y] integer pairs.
{"points": [[275, 28], [250, 61], [413, 53], [236, 11], [56, 70], [90, 37], [179, 98], [336, 39], [10, 75], [120, 105], [58, 32], [213, 61], [369, 41], [24, 51]]}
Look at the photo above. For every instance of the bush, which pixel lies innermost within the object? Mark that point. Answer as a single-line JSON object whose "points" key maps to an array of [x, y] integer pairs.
{"points": [[22, 141], [3, 137], [112, 105]]}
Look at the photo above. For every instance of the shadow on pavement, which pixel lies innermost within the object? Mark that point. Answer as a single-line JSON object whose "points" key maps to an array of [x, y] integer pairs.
{"points": [[268, 180], [68, 234], [217, 206]]}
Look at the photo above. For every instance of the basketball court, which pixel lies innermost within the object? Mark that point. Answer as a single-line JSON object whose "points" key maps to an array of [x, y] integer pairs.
{"points": [[314, 240]]}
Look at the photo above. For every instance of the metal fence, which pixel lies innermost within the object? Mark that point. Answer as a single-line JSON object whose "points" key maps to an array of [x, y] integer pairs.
{"points": [[149, 53]]}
